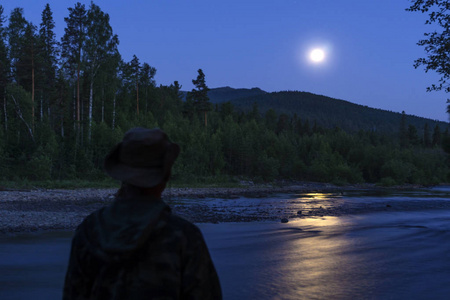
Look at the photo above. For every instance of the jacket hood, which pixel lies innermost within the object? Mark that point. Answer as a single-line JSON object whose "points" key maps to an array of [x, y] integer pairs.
{"points": [[120, 229]]}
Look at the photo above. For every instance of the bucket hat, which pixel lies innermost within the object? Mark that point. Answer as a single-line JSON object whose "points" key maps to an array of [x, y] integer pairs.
{"points": [[143, 158]]}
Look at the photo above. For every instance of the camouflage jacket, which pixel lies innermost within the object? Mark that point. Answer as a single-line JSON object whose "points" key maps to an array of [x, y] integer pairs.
{"points": [[136, 249]]}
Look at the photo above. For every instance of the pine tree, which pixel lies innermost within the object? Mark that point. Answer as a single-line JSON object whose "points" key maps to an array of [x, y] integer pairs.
{"points": [[177, 89], [306, 128], [403, 132], [147, 82], [426, 136], [226, 109], [436, 139], [255, 114], [28, 63], [189, 107], [271, 119], [413, 137], [16, 35], [49, 48], [199, 95], [135, 68], [282, 124]]}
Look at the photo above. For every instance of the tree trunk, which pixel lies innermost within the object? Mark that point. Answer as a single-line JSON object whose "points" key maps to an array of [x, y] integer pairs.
{"points": [[103, 104], [32, 88], [20, 115], [137, 99], [146, 100], [81, 124], [74, 110], [48, 107], [6, 113], [61, 111], [78, 96], [41, 111], [114, 112], [91, 101]]}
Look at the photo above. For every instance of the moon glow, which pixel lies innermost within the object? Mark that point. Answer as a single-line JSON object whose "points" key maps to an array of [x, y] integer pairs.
{"points": [[317, 55]]}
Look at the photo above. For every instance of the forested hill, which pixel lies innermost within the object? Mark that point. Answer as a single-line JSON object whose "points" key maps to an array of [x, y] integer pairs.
{"points": [[224, 94], [329, 112]]}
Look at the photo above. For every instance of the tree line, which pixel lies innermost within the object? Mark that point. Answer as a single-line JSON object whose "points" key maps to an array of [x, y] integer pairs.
{"points": [[65, 104], [329, 112]]}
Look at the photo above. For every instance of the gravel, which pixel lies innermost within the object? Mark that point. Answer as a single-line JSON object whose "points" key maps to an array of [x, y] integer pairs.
{"points": [[36, 210]]}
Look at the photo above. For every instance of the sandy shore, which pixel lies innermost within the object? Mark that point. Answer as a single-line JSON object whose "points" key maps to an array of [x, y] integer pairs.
{"points": [[34, 210]]}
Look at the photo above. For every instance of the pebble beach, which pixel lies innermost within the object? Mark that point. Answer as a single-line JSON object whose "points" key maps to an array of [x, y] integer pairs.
{"points": [[43, 210]]}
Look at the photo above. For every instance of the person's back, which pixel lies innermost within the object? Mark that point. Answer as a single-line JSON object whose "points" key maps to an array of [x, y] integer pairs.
{"points": [[136, 249]]}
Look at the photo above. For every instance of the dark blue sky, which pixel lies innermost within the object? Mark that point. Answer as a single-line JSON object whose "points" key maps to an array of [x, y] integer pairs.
{"points": [[370, 46]]}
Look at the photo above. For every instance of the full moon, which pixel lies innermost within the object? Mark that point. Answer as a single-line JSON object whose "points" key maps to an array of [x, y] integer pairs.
{"points": [[317, 55]]}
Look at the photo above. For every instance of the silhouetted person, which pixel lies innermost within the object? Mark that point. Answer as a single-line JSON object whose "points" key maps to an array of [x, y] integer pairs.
{"points": [[135, 248]]}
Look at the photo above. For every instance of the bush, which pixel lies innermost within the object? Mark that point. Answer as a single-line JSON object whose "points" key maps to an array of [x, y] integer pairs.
{"points": [[387, 181], [401, 172], [319, 171], [267, 167], [446, 144], [345, 173], [39, 167]]}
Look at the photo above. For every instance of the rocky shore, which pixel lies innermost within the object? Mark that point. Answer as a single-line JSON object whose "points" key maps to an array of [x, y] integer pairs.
{"points": [[36, 210]]}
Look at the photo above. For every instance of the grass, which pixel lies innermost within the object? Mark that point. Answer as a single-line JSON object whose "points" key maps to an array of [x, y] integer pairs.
{"points": [[58, 184], [205, 182], [197, 182], [109, 183]]}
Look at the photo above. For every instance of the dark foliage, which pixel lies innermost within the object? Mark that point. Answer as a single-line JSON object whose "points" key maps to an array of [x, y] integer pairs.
{"points": [[88, 97]]}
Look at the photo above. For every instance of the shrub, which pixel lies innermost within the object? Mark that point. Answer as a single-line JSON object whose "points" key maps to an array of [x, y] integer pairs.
{"points": [[39, 167], [401, 172], [387, 181]]}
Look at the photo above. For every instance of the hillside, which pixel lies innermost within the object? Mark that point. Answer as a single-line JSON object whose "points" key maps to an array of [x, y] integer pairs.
{"points": [[329, 112], [224, 94]]}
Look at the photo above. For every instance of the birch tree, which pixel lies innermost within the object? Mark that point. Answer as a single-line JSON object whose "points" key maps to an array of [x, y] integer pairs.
{"points": [[22, 42], [72, 47], [436, 42], [101, 44], [4, 68]]}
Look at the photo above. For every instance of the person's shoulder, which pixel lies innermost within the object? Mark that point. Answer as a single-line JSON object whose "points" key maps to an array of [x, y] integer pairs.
{"points": [[88, 225], [92, 218], [187, 233], [182, 224]]}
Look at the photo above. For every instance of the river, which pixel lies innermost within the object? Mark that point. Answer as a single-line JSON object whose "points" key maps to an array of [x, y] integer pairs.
{"points": [[382, 255]]}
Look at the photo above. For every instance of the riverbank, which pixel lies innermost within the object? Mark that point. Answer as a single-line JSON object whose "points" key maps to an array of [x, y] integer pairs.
{"points": [[36, 210]]}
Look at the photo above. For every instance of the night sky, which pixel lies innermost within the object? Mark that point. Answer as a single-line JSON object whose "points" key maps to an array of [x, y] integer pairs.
{"points": [[370, 46]]}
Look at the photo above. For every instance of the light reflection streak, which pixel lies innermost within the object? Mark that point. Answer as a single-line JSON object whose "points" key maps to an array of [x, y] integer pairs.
{"points": [[310, 203], [318, 265], [321, 196]]}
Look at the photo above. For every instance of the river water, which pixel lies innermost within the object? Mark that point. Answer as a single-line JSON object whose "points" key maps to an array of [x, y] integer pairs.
{"points": [[382, 255]]}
